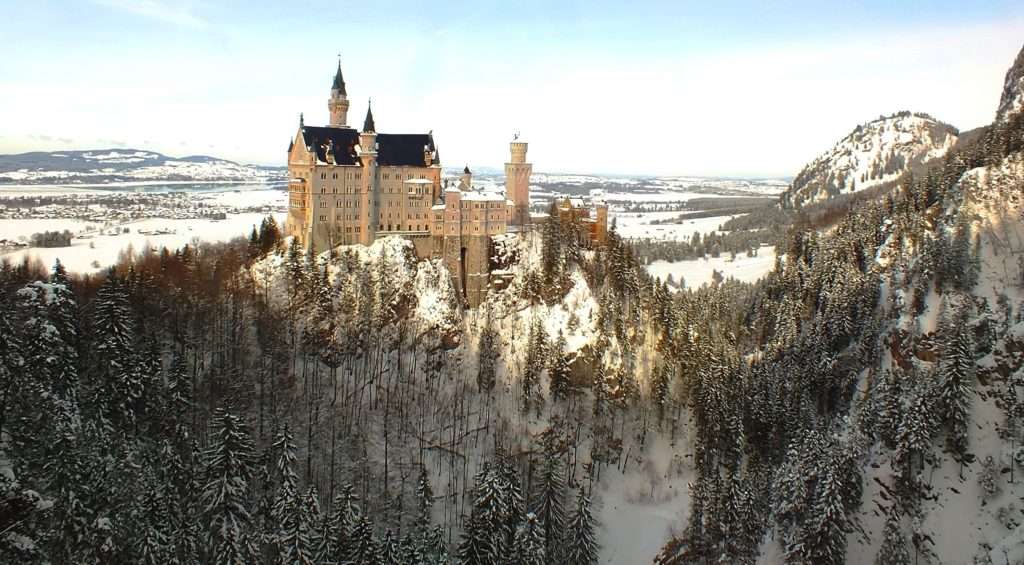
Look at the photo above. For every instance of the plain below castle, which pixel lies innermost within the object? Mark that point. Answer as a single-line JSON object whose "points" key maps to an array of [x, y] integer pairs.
{"points": [[348, 187]]}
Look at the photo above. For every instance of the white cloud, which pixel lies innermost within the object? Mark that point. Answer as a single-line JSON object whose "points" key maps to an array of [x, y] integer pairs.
{"points": [[177, 13]]}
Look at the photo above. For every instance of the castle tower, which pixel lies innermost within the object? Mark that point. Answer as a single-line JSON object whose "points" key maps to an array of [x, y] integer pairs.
{"points": [[601, 222], [368, 157], [517, 182], [338, 102], [466, 180]]}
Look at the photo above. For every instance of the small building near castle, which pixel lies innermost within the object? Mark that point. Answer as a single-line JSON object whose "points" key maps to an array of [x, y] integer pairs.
{"points": [[349, 186], [593, 229]]}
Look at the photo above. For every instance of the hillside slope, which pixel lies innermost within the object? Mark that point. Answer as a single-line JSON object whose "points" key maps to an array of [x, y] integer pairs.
{"points": [[126, 165], [873, 154]]}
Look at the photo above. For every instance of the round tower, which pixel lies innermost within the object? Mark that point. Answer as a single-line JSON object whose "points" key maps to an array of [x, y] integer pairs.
{"points": [[466, 180], [517, 182], [338, 102], [368, 159]]}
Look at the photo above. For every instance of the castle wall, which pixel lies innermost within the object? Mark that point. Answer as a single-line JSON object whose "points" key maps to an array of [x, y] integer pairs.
{"points": [[338, 205]]}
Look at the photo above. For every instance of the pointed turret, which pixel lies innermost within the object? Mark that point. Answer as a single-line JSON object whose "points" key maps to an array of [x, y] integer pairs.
{"points": [[368, 122], [337, 104], [339, 82]]}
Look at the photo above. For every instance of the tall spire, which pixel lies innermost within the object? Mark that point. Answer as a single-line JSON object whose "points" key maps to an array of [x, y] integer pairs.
{"points": [[368, 123], [339, 81]]}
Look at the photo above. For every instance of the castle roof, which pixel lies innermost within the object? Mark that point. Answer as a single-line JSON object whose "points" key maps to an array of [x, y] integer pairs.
{"points": [[339, 82], [466, 170], [393, 149], [368, 122]]}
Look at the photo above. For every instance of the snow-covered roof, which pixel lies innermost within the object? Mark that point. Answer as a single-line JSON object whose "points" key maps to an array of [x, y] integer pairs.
{"points": [[419, 181], [484, 196]]}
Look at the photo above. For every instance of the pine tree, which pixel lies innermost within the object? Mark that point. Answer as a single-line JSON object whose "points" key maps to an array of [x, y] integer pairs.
{"points": [[229, 466], [434, 548], [549, 505], [534, 364], [365, 548], [529, 548], [117, 383], [559, 372], [482, 538], [477, 546], [894, 549], [297, 539], [424, 501], [338, 543], [514, 507], [488, 356], [581, 543], [957, 370], [390, 553]]}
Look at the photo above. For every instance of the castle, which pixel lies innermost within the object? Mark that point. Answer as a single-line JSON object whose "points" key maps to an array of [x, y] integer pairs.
{"points": [[349, 186]]}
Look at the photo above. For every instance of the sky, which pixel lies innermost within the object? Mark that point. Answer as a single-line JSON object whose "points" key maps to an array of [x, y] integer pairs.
{"points": [[726, 88]]}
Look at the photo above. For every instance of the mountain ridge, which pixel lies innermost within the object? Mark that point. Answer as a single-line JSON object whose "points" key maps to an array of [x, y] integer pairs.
{"points": [[874, 154], [103, 166]]}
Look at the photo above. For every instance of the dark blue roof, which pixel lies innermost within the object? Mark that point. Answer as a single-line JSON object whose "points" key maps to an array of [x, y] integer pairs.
{"points": [[393, 149]]}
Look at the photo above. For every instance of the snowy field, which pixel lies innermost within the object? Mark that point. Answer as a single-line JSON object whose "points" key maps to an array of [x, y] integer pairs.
{"points": [[246, 198], [637, 225], [21, 230], [696, 272], [101, 251], [665, 196]]}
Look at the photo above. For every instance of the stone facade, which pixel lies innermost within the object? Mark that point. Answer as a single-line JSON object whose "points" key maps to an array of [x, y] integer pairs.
{"points": [[461, 232]]}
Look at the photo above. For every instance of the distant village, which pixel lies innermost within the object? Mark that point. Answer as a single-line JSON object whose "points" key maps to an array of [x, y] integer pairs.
{"points": [[109, 212]]}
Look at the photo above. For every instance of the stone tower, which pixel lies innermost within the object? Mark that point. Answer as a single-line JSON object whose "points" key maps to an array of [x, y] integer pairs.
{"points": [[368, 157], [517, 182], [338, 102], [466, 180]]}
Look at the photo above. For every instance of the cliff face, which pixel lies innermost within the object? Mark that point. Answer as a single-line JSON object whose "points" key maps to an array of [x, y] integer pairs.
{"points": [[1012, 100]]}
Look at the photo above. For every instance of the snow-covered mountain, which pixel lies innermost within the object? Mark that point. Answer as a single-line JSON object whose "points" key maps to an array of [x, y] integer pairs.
{"points": [[872, 154], [1012, 100], [126, 165]]}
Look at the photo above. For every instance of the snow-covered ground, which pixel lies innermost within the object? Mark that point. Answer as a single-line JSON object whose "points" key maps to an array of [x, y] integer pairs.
{"points": [[639, 511], [637, 225], [21, 230], [101, 251], [696, 272]]}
